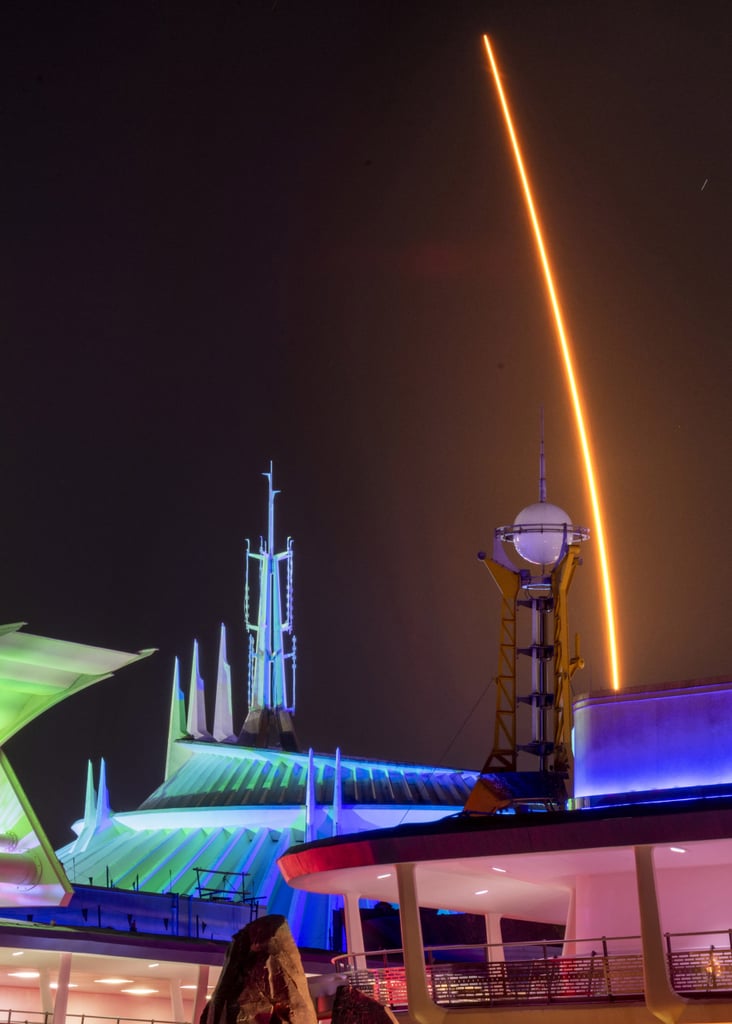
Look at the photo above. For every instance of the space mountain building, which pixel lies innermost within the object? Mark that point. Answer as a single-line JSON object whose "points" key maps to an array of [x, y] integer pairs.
{"points": [[199, 856]]}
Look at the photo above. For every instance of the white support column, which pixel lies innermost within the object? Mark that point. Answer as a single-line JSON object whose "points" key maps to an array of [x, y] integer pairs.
{"points": [[44, 983], [201, 992], [62, 992], [661, 999], [421, 1007], [176, 1001], [354, 929], [570, 927], [494, 938]]}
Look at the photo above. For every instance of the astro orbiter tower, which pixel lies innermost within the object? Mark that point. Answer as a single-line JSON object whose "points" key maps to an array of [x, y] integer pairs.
{"points": [[543, 536], [272, 645]]}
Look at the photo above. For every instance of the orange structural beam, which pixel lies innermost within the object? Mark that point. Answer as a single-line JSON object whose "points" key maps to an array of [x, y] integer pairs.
{"points": [[571, 375]]}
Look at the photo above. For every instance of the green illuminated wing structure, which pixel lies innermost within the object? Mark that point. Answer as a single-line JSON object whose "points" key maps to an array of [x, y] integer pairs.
{"points": [[36, 673]]}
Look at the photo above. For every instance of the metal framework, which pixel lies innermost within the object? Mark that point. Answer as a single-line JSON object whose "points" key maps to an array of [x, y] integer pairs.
{"points": [[549, 695], [504, 752], [272, 643]]}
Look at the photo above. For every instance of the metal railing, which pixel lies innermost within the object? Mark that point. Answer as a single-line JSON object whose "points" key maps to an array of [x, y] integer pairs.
{"points": [[536, 973], [703, 969], [40, 1017]]}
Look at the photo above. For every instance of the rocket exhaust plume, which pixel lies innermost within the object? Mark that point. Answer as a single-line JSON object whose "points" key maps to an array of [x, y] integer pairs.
{"points": [[571, 376]]}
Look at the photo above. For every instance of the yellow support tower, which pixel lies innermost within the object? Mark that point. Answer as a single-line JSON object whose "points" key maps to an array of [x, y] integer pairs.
{"points": [[564, 665], [503, 754]]}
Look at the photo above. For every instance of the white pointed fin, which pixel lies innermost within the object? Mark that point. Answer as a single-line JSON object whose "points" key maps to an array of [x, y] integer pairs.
{"points": [[223, 729], [90, 798], [103, 814], [196, 702], [177, 723]]}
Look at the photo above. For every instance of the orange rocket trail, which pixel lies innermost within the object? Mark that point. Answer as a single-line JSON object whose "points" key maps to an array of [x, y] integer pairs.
{"points": [[568, 361]]}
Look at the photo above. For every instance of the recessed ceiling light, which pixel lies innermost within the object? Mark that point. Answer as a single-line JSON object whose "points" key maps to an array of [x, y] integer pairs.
{"points": [[113, 981], [19, 952], [24, 974], [481, 892], [677, 849], [139, 991], [502, 870], [193, 987], [384, 876], [154, 965], [54, 984]]}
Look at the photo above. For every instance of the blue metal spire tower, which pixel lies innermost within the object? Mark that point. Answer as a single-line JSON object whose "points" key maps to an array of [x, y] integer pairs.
{"points": [[272, 644]]}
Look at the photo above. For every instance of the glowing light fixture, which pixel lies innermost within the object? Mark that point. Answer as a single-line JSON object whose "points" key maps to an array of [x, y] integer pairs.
{"points": [[24, 974], [501, 870], [19, 952], [571, 376], [71, 984], [192, 987], [384, 876], [677, 849], [481, 892], [141, 991], [113, 981], [154, 965]]}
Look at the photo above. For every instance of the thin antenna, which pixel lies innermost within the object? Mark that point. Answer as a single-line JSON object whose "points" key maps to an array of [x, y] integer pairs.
{"points": [[542, 464]]}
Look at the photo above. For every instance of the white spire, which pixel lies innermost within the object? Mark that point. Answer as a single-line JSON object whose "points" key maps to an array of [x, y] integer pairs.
{"points": [[223, 729], [196, 702], [177, 723], [90, 798], [101, 818]]}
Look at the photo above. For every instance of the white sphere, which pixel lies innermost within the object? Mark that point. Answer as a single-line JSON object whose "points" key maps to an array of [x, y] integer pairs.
{"points": [[540, 531]]}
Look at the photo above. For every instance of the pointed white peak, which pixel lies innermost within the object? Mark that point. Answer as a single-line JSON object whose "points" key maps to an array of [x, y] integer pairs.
{"points": [[196, 702], [90, 799], [178, 729], [310, 826], [102, 815], [177, 723], [223, 730]]}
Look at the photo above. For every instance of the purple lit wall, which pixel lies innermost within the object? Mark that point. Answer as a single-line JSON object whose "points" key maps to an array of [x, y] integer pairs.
{"points": [[655, 738]]}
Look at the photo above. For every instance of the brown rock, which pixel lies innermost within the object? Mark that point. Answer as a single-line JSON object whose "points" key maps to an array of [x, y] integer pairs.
{"points": [[262, 981], [353, 1007]]}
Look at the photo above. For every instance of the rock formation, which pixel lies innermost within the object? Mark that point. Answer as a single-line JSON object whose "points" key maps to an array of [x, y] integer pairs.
{"points": [[353, 1007], [262, 981]]}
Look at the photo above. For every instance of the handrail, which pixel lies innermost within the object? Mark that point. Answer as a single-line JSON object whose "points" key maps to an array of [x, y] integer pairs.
{"points": [[603, 974], [46, 1017], [600, 940]]}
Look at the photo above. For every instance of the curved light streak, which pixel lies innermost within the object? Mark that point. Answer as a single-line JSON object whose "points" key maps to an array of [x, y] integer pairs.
{"points": [[571, 378]]}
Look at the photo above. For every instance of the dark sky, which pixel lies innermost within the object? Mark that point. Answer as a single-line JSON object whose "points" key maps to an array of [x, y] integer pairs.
{"points": [[242, 231]]}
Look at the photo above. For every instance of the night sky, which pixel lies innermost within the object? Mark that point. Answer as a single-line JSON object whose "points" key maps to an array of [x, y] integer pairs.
{"points": [[242, 231]]}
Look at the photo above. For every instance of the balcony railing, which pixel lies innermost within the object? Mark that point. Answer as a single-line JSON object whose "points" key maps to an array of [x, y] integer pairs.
{"points": [[40, 1017], [536, 973]]}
